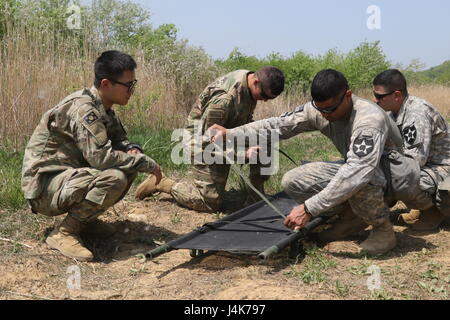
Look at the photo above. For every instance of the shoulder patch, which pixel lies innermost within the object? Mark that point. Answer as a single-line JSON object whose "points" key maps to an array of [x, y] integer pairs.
{"points": [[410, 134], [90, 118], [363, 146]]}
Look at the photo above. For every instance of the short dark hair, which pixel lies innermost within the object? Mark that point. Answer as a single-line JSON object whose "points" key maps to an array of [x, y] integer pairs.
{"points": [[328, 84], [391, 80], [111, 65], [272, 78]]}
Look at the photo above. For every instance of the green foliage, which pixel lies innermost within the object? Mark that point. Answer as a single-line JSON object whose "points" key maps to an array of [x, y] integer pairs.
{"points": [[8, 14], [415, 73], [157, 144], [439, 74], [360, 65], [363, 63], [11, 195], [341, 289], [314, 267]]}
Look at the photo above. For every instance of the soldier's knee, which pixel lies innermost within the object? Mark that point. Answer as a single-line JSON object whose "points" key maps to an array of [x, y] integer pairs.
{"points": [[291, 181], [113, 178], [286, 182]]}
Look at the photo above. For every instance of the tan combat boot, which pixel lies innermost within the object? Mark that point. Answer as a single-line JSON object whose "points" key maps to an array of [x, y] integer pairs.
{"points": [[381, 239], [149, 186], [65, 238], [429, 219], [410, 217], [347, 224], [146, 188], [98, 228], [165, 185]]}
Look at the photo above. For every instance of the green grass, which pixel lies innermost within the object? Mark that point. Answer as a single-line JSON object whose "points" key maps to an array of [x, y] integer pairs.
{"points": [[158, 146], [11, 195], [314, 269], [304, 147]]}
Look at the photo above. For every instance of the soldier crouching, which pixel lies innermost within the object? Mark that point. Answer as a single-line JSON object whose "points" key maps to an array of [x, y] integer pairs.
{"points": [[79, 161]]}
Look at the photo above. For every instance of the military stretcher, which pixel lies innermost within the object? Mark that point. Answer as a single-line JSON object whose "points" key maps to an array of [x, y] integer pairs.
{"points": [[254, 230]]}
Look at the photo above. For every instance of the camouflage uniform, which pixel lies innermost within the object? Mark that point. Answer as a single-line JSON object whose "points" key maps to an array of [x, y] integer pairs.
{"points": [[324, 187], [76, 159], [229, 103], [426, 138]]}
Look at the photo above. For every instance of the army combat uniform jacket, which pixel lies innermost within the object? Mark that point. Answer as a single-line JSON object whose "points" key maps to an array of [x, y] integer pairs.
{"points": [[78, 133], [361, 139], [426, 139], [227, 102]]}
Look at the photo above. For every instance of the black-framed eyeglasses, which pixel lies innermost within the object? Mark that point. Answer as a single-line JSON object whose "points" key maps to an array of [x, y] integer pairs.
{"points": [[130, 85], [329, 109], [263, 93], [380, 96]]}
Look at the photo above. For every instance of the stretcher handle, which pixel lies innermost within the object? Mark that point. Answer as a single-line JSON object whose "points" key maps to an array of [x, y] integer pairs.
{"points": [[296, 236]]}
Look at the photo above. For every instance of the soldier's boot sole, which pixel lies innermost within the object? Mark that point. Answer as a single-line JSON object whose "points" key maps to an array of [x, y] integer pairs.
{"points": [[409, 218], [381, 240], [69, 246]]}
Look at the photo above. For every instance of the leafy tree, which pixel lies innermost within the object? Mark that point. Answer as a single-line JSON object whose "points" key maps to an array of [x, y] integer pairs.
{"points": [[363, 63]]}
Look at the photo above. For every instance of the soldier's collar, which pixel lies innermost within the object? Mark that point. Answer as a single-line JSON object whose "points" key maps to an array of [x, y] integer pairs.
{"points": [[245, 89], [401, 113], [93, 92]]}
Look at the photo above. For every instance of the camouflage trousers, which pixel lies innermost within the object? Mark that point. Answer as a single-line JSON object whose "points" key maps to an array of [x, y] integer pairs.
{"points": [[307, 180], [204, 191], [430, 178], [84, 193]]}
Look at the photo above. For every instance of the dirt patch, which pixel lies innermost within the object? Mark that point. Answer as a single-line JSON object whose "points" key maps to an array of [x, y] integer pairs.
{"points": [[418, 268]]}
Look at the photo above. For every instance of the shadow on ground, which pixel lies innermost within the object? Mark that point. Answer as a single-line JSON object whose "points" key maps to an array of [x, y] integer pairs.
{"points": [[131, 239]]}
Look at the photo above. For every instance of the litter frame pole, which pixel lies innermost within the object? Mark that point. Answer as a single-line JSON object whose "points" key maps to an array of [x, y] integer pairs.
{"points": [[296, 236]]}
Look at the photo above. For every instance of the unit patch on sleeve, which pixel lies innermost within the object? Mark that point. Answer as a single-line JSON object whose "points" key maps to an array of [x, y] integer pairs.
{"points": [[363, 146], [410, 134], [90, 118]]}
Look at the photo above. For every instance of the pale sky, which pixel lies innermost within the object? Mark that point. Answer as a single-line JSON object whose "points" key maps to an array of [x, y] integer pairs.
{"points": [[408, 29]]}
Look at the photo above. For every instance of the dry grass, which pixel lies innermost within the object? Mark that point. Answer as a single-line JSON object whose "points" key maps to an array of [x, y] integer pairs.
{"points": [[438, 95], [37, 70]]}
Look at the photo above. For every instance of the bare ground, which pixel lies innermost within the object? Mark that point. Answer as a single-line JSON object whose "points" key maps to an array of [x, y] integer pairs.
{"points": [[418, 268]]}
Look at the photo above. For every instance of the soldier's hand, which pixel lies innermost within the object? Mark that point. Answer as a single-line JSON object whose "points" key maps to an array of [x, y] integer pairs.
{"points": [[298, 218], [157, 173], [134, 151], [216, 132]]}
